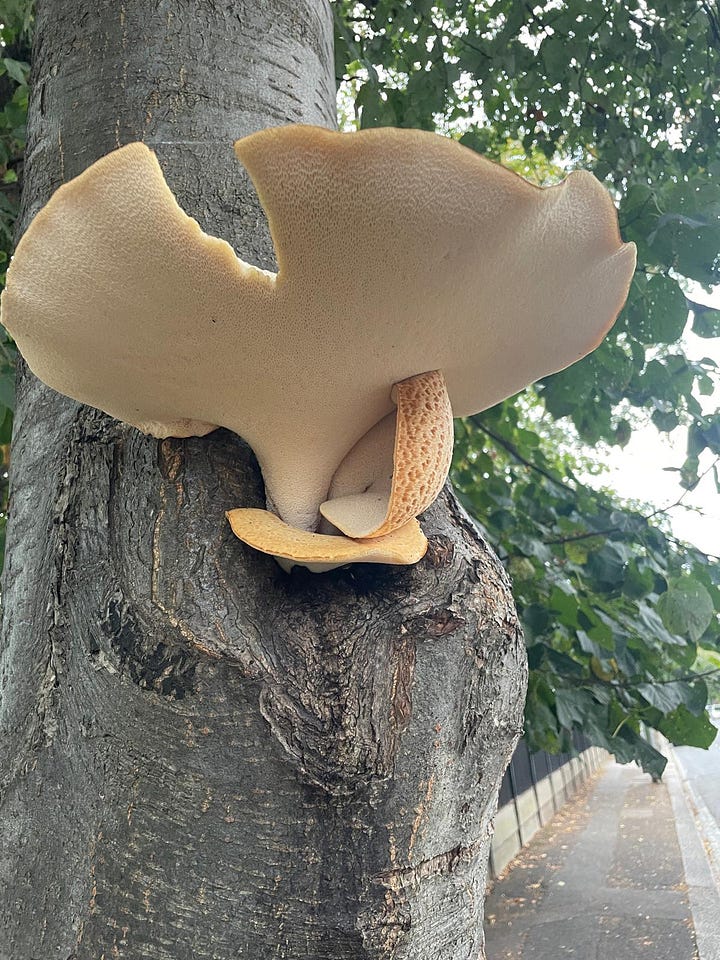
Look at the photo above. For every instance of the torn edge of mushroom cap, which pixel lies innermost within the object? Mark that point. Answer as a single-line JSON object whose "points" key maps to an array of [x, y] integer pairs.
{"points": [[46, 299], [422, 454], [565, 266], [266, 532]]}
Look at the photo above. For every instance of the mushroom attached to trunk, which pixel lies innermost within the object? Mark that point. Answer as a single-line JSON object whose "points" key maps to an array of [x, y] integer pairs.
{"points": [[410, 271]]}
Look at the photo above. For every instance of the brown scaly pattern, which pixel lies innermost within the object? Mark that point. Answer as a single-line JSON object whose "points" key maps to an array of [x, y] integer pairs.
{"points": [[423, 447]]}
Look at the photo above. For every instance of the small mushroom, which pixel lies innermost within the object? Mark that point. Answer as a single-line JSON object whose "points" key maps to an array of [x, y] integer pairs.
{"points": [[399, 487], [318, 552], [410, 271]]}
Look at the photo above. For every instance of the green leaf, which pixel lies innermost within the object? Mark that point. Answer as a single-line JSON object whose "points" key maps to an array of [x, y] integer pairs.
{"points": [[6, 425], [564, 391], [650, 759], [608, 566], [665, 420], [7, 386], [660, 315], [623, 432], [573, 706], [578, 551], [521, 569], [668, 696], [706, 321], [682, 727], [374, 106], [710, 432], [639, 581], [555, 53], [686, 608], [15, 69]]}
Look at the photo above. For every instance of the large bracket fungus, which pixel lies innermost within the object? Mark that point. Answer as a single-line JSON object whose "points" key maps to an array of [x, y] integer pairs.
{"points": [[410, 272]]}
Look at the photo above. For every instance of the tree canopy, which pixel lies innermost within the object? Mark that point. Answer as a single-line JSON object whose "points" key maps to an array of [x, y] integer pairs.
{"points": [[614, 607]]}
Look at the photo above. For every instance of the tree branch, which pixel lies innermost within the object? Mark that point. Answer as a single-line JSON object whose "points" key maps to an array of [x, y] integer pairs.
{"points": [[566, 485]]}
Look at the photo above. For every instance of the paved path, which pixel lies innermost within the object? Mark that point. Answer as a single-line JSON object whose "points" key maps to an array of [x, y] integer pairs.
{"points": [[604, 881]]}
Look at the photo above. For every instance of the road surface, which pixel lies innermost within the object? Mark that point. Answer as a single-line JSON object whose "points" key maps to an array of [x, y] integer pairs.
{"points": [[702, 771]]}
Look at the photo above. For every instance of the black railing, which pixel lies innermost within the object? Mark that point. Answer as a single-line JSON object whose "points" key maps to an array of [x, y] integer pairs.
{"points": [[526, 769]]}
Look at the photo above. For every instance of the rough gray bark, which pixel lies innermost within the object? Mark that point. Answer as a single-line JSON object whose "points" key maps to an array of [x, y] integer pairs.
{"points": [[201, 756]]}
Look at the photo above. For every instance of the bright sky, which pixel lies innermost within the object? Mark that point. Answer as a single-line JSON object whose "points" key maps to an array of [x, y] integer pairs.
{"points": [[639, 472]]}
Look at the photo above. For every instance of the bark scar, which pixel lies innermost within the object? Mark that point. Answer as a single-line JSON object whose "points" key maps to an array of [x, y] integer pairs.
{"points": [[420, 813], [442, 864]]}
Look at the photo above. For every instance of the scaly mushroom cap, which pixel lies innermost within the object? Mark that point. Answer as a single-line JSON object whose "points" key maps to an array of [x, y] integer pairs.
{"points": [[399, 252], [395, 488]]}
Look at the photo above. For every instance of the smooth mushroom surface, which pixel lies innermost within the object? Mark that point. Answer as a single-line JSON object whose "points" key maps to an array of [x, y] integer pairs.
{"points": [[402, 256], [290, 546]]}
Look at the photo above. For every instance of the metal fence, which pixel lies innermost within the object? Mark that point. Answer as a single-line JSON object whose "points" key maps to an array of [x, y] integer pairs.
{"points": [[526, 769], [534, 788]]}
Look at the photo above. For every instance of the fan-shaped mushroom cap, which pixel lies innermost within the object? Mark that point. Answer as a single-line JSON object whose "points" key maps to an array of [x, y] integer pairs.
{"points": [[399, 252]]}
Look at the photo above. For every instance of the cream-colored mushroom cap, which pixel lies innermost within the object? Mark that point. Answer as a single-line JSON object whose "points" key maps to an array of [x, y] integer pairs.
{"points": [[399, 252]]}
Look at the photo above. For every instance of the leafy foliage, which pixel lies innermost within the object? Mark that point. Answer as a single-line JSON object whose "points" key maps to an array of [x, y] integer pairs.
{"points": [[614, 608], [15, 20]]}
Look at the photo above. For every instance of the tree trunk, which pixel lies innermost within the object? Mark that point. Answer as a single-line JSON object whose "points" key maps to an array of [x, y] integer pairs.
{"points": [[203, 757]]}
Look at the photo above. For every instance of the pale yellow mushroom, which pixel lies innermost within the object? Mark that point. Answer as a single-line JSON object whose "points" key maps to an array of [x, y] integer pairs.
{"points": [[400, 253], [290, 546]]}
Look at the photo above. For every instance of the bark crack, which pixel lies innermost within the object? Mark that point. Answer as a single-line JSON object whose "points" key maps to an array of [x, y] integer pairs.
{"points": [[442, 864], [64, 542]]}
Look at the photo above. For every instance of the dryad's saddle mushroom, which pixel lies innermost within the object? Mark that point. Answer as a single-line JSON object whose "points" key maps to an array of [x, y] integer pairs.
{"points": [[416, 282]]}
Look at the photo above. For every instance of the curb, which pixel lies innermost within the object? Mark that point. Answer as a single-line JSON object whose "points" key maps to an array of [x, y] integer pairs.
{"points": [[699, 839]]}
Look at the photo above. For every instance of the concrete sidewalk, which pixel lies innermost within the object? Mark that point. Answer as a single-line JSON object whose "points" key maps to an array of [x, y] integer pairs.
{"points": [[607, 878]]}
